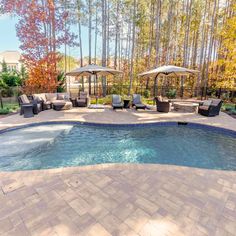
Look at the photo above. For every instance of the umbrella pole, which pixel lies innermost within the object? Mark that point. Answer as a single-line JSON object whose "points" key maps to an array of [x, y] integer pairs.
{"points": [[155, 88], [96, 82]]}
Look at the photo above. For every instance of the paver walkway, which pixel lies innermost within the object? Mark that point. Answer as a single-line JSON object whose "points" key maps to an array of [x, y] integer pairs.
{"points": [[118, 200], [118, 117]]}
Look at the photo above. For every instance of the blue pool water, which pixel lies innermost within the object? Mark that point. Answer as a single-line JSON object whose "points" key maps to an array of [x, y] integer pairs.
{"points": [[76, 145]]}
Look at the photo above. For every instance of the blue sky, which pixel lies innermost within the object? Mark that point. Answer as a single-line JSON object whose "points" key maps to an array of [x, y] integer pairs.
{"points": [[9, 40]]}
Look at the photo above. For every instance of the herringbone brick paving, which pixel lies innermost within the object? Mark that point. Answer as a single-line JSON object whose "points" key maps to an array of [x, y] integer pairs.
{"points": [[117, 200]]}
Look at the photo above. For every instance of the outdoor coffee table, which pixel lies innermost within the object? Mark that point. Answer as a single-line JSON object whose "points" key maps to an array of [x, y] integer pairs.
{"points": [[186, 107], [28, 110]]}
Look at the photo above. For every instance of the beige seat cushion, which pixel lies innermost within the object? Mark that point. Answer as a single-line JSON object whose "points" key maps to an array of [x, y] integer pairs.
{"points": [[207, 103], [204, 107], [59, 102], [51, 97], [215, 102], [62, 105], [83, 95], [81, 100], [43, 96], [24, 99], [63, 96]]}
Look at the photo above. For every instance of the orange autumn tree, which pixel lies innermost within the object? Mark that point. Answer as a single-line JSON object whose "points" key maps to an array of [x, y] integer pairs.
{"points": [[41, 30], [42, 75]]}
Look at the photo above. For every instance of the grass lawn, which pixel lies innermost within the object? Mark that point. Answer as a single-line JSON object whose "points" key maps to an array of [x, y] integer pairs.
{"points": [[229, 108], [8, 108]]}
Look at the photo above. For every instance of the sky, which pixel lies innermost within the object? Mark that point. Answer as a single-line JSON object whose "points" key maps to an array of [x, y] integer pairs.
{"points": [[9, 40]]}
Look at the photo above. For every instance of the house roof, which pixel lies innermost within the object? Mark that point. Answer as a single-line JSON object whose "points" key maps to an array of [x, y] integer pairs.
{"points": [[10, 56]]}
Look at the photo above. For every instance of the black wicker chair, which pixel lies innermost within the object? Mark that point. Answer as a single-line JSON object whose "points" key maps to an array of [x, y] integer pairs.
{"points": [[210, 108], [24, 100], [162, 106]]}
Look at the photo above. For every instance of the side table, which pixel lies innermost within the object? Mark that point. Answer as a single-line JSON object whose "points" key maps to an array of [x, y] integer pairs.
{"points": [[74, 103], [28, 110], [126, 103]]}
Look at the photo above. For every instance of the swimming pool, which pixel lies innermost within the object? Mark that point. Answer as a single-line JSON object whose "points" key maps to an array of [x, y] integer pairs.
{"points": [[62, 145]]}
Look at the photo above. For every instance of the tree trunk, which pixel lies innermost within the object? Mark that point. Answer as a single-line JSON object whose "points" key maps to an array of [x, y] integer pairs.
{"points": [[210, 45], [90, 39], [158, 27], [96, 36], [104, 47], [117, 31], [132, 50]]}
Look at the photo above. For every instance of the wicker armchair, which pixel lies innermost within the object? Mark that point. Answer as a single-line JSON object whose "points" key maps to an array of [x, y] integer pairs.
{"points": [[83, 100], [162, 106], [210, 108], [24, 100]]}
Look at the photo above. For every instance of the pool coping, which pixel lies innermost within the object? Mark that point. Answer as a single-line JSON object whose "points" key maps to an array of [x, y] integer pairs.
{"points": [[208, 127], [109, 167]]}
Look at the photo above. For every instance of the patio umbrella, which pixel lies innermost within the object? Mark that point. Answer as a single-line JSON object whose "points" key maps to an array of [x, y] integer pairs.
{"points": [[93, 69], [168, 70]]}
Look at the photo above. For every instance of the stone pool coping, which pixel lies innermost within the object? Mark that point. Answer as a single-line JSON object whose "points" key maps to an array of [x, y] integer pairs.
{"points": [[215, 128], [109, 166]]}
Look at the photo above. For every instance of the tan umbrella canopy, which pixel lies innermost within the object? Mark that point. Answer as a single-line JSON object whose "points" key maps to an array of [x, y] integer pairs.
{"points": [[93, 70], [168, 70]]}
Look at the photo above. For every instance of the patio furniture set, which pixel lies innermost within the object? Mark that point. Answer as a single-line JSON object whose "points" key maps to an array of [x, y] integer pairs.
{"points": [[117, 102], [63, 101], [44, 101]]}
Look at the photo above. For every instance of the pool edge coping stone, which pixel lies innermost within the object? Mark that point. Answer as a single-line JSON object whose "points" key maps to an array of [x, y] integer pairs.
{"points": [[208, 127]]}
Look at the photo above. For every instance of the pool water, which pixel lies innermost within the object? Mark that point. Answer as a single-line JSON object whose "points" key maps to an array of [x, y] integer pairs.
{"points": [[53, 146]]}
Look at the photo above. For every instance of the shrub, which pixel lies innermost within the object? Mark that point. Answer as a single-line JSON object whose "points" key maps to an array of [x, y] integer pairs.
{"points": [[146, 93], [7, 92], [115, 89], [171, 93], [4, 111], [61, 82], [11, 79]]}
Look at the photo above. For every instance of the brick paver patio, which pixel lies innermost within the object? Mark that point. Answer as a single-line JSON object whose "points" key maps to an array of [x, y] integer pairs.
{"points": [[118, 199]]}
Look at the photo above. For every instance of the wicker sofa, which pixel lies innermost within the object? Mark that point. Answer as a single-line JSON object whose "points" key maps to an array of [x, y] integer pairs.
{"points": [[56, 101]]}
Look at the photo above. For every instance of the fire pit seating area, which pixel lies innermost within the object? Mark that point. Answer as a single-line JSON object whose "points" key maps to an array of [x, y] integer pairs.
{"points": [[56, 101]]}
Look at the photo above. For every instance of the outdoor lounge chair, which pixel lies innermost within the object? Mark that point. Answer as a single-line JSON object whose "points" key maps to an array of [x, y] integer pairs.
{"points": [[117, 102], [137, 102], [210, 107], [162, 106], [24, 100], [83, 100]]}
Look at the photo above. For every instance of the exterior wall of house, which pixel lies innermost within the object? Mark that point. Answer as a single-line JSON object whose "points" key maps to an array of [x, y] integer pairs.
{"points": [[13, 60]]}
